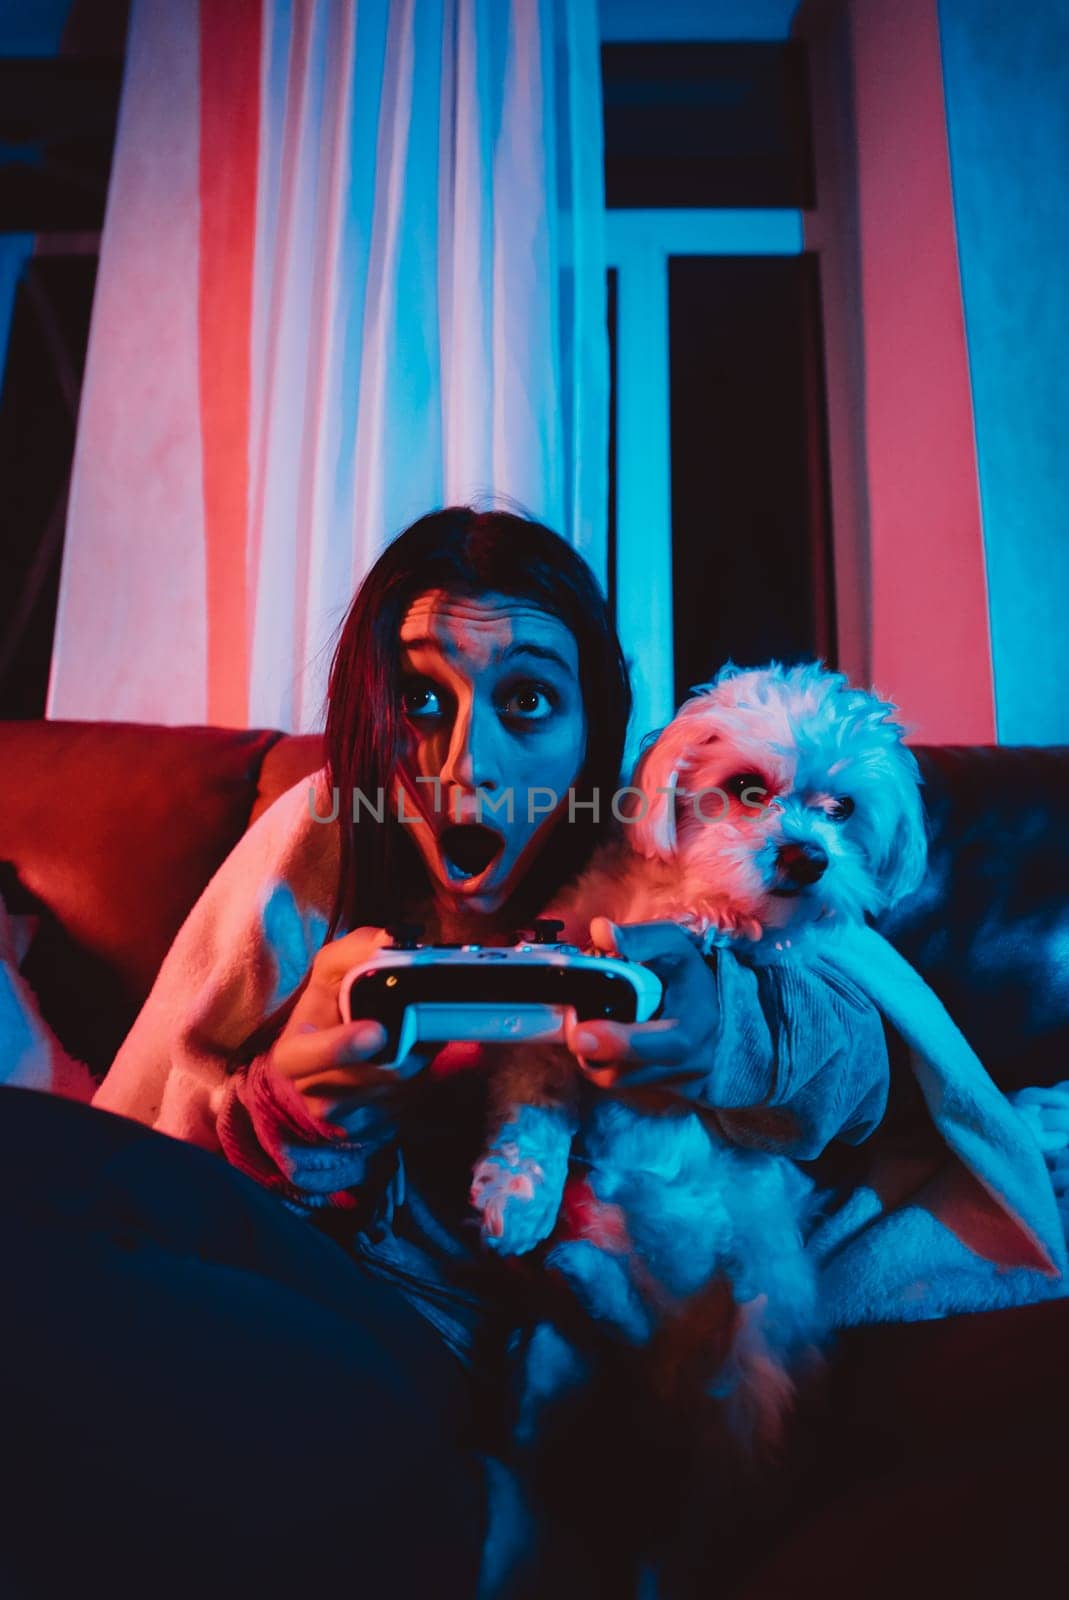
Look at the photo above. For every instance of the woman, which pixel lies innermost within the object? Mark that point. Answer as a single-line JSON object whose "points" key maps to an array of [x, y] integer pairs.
{"points": [[253, 1394]]}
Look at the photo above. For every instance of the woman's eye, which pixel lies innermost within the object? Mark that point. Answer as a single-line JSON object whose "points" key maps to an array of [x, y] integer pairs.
{"points": [[530, 702], [840, 808], [420, 700]]}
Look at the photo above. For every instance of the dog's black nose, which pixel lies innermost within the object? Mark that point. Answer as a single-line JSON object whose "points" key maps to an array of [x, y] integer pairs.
{"points": [[802, 863]]}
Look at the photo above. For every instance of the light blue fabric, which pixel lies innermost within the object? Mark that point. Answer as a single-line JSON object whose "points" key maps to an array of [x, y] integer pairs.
{"points": [[979, 1226]]}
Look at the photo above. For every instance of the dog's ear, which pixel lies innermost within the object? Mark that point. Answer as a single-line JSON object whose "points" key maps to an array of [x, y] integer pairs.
{"points": [[653, 829], [661, 769]]}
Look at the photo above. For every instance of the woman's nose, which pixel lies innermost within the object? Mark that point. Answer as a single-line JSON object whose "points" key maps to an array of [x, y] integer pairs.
{"points": [[470, 761]]}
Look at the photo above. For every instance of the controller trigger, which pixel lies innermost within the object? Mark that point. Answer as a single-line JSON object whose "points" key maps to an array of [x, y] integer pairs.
{"points": [[406, 935]]}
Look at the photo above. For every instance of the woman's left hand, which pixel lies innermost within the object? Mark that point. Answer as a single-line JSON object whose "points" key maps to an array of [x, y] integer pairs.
{"points": [[675, 1052]]}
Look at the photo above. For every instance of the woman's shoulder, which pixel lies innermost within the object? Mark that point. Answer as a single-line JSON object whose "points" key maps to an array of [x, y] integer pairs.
{"points": [[246, 944], [295, 839]]}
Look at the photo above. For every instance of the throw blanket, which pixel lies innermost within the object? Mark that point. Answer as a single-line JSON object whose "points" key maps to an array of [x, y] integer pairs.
{"points": [[968, 1223], [962, 1220], [244, 948]]}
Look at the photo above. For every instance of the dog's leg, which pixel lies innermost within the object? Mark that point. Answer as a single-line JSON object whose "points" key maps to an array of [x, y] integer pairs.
{"points": [[518, 1184], [596, 1258], [552, 1372], [602, 1285]]}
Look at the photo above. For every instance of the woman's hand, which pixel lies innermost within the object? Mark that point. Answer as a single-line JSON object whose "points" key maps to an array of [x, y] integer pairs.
{"points": [[675, 1052], [328, 1060]]}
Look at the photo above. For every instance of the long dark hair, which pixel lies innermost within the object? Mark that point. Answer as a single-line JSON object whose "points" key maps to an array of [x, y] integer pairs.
{"points": [[464, 552]]}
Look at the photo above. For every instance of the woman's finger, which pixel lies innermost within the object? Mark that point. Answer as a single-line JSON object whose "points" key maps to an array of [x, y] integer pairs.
{"points": [[681, 1036], [635, 1043], [317, 1005], [310, 1054], [652, 943], [336, 958], [690, 994]]}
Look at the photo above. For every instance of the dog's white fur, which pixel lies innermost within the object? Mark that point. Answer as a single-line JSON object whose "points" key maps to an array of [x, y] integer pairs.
{"points": [[836, 835], [814, 741]]}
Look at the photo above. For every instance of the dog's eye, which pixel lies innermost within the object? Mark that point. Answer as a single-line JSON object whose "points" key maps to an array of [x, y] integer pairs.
{"points": [[840, 809], [749, 787]]}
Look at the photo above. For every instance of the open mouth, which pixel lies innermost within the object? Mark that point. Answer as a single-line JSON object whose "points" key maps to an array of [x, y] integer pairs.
{"points": [[468, 849]]}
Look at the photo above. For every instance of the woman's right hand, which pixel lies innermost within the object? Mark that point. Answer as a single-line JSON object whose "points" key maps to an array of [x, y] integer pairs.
{"points": [[328, 1060]]}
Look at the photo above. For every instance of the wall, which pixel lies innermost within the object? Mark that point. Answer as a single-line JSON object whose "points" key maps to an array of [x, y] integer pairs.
{"points": [[1006, 74], [909, 537], [943, 147]]}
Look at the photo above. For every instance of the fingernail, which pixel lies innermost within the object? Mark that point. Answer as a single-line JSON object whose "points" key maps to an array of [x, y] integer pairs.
{"points": [[587, 1042], [370, 1035]]}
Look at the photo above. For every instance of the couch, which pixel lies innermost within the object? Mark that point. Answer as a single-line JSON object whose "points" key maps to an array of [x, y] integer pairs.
{"points": [[933, 1456]]}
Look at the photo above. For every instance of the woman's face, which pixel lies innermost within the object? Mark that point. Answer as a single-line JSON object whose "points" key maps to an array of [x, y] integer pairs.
{"points": [[493, 735]]}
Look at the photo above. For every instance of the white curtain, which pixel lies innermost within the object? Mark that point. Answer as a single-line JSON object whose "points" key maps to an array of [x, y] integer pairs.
{"points": [[422, 322]]}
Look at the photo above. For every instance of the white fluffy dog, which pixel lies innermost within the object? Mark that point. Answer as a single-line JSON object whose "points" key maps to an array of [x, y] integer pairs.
{"points": [[777, 803]]}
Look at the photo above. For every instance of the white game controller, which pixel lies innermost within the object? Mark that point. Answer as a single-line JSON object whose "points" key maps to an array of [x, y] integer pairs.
{"points": [[432, 994]]}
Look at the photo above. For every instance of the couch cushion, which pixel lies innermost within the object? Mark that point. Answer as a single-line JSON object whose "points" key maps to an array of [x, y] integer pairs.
{"points": [[294, 756], [989, 928], [931, 1462], [114, 829]]}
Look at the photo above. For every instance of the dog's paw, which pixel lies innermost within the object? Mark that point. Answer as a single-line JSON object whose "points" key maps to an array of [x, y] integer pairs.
{"points": [[517, 1205]]}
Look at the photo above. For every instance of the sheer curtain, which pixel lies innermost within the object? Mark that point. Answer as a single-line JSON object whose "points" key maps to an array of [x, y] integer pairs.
{"points": [[352, 269]]}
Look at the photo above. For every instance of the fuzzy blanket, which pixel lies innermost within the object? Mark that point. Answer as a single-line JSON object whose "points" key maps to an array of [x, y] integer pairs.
{"points": [[963, 1220], [960, 1218]]}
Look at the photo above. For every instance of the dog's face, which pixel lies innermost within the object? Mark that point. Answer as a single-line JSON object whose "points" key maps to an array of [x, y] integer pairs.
{"points": [[785, 797]]}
